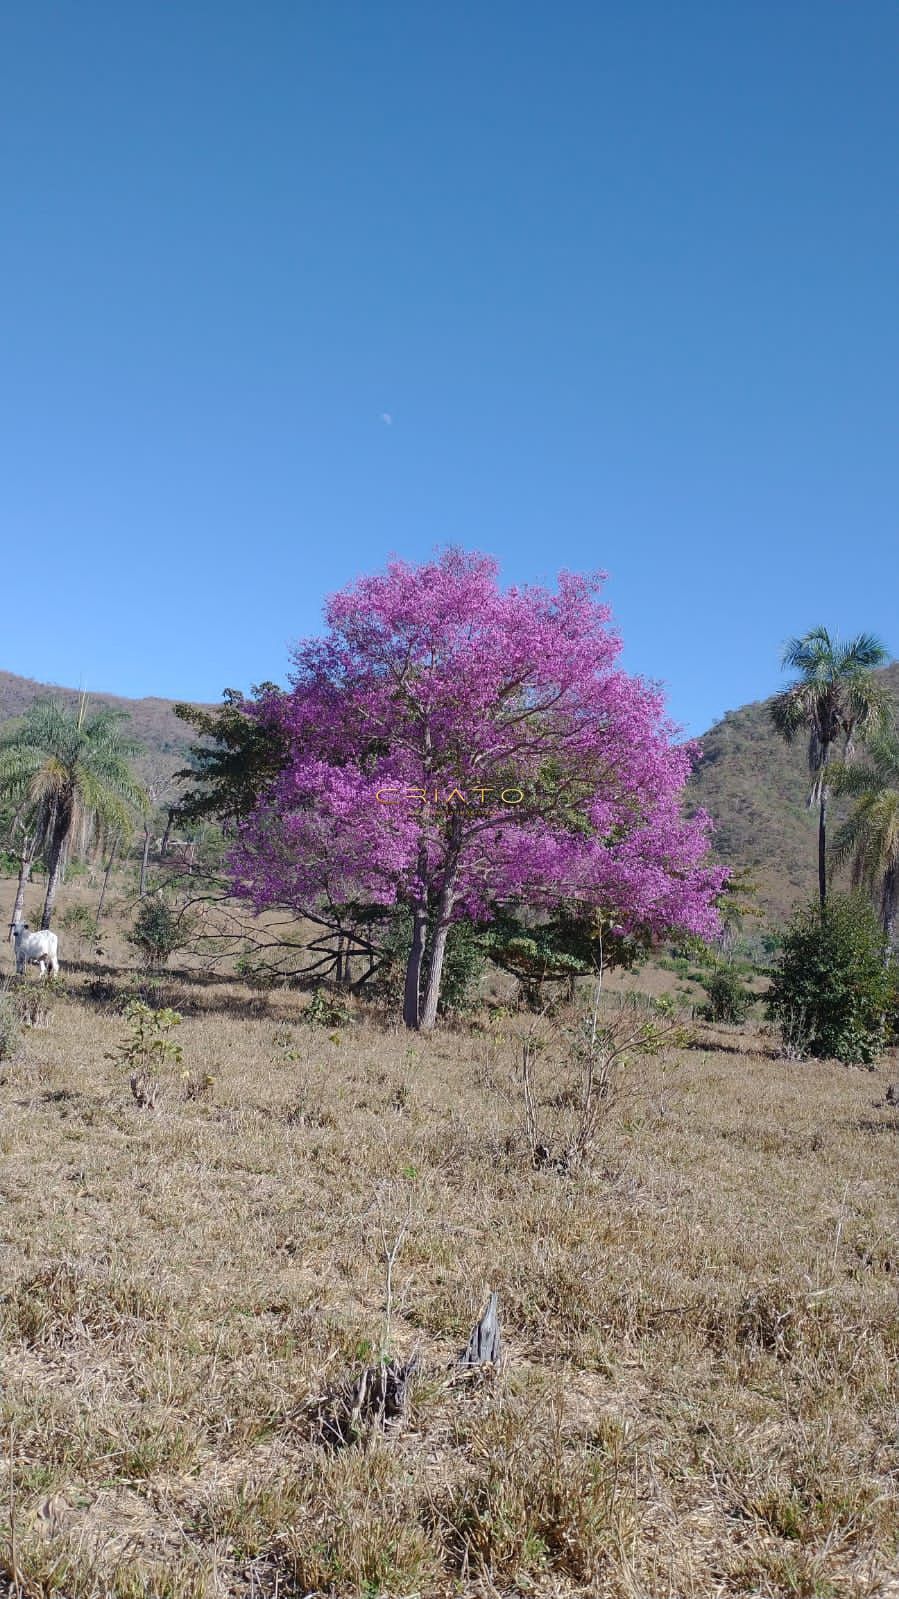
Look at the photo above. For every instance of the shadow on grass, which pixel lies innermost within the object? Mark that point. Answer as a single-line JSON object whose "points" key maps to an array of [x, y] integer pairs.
{"points": [[107, 989], [734, 1045]]}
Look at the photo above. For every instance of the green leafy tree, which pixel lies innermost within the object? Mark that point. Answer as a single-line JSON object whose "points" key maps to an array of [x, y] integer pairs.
{"points": [[70, 768], [573, 943], [836, 700], [830, 988], [869, 839], [234, 759]]}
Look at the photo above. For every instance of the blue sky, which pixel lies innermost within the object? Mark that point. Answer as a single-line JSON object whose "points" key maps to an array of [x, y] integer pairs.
{"points": [[287, 288]]}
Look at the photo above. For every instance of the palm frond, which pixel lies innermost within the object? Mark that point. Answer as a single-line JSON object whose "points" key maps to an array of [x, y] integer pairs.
{"points": [[73, 767], [789, 714]]}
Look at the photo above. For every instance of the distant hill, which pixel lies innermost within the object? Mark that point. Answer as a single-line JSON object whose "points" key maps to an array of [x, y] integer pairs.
{"points": [[755, 787], [751, 783], [152, 721]]}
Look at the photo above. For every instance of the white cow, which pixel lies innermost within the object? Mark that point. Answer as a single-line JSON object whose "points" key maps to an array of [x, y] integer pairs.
{"points": [[34, 949]]}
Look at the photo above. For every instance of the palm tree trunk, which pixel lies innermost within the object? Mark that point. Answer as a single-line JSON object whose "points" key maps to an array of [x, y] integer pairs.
{"points": [[889, 903], [55, 859], [54, 878], [822, 852], [822, 830]]}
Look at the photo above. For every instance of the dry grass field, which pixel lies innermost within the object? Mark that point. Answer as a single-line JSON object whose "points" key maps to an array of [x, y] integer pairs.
{"points": [[698, 1395]]}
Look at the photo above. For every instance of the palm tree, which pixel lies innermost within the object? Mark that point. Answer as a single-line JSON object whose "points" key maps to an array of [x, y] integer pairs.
{"points": [[836, 697], [870, 836], [72, 770]]}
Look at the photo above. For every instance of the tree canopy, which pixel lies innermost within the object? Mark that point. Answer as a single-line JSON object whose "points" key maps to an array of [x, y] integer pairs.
{"points": [[451, 746]]}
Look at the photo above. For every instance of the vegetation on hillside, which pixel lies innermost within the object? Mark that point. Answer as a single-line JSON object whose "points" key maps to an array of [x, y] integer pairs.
{"points": [[755, 787], [836, 701], [869, 837]]}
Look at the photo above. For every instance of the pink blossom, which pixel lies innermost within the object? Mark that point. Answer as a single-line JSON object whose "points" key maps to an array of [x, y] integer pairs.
{"points": [[432, 676]]}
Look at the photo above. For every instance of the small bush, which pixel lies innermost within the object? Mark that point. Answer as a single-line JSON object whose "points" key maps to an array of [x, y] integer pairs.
{"points": [[729, 999], [564, 1096], [830, 988], [147, 1045], [325, 1011], [158, 930], [35, 1002]]}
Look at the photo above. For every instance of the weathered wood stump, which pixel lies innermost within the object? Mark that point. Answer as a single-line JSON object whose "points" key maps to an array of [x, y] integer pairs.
{"points": [[485, 1346]]}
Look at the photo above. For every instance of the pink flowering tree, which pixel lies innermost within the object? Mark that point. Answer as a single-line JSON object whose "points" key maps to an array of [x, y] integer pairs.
{"points": [[454, 746]]}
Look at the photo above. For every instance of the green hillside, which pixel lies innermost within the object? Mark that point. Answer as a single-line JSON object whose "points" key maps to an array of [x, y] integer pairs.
{"points": [[755, 787]]}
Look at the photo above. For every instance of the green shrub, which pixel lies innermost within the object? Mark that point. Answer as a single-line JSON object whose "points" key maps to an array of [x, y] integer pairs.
{"points": [[830, 987], [158, 930], [255, 972], [892, 1009], [463, 965], [325, 1010], [691, 950], [729, 999], [147, 1046]]}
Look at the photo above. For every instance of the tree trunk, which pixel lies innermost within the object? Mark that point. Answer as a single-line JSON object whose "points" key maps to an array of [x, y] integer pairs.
{"points": [[112, 855], [142, 889], [54, 871], [163, 848], [889, 903], [26, 856], [413, 966], [435, 968], [822, 832]]}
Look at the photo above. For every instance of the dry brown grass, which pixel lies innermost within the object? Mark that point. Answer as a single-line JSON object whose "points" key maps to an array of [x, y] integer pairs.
{"points": [[700, 1391]]}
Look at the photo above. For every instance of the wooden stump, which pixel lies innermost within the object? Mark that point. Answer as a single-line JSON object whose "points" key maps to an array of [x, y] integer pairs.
{"points": [[485, 1346]]}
